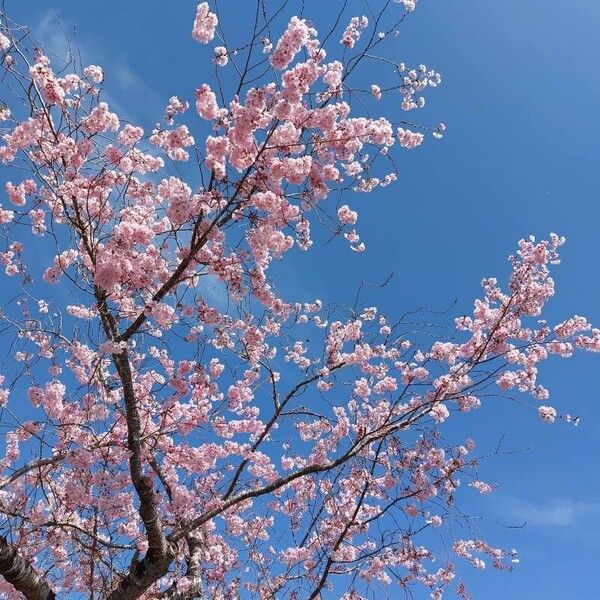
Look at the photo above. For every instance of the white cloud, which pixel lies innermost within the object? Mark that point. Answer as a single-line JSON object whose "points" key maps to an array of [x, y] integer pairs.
{"points": [[214, 291], [57, 35], [53, 32], [551, 512]]}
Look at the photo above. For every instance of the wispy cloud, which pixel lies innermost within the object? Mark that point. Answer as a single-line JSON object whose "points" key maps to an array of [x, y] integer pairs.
{"points": [[551, 512], [215, 292], [143, 103], [54, 32], [57, 34]]}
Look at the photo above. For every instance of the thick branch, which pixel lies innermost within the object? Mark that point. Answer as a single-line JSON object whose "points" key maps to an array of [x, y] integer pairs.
{"points": [[156, 562], [21, 575], [142, 574], [357, 447]]}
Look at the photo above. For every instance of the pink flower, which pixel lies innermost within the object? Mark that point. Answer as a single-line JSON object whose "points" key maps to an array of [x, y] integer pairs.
{"points": [[6, 216], [481, 487], [440, 413], [353, 31], [295, 37], [173, 142], [206, 102], [347, 216], [547, 414], [409, 5], [130, 135], [95, 73], [4, 43], [17, 193], [217, 149], [101, 120], [204, 24], [221, 56], [164, 315], [409, 139], [176, 106]]}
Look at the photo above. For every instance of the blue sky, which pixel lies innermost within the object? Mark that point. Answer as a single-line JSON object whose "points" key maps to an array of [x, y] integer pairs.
{"points": [[520, 97]]}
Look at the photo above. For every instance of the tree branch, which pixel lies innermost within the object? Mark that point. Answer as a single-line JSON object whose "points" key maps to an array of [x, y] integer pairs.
{"points": [[159, 556], [21, 575]]}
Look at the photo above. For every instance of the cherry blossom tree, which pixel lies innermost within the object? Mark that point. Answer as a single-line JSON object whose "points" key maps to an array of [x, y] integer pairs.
{"points": [[162, 443]]}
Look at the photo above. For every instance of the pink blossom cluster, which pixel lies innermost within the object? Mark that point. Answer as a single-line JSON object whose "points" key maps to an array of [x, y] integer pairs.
{"points": [[5, 43], [296, 36], [409, 5], [42, 74], [176, 106], [179, 397], [409, 139], [414, 82], [17, 194], [101, 120], [95, 73], [353, 31], [173, 142], [221, 56], [205, 24], [206, 102], [346, 215]]}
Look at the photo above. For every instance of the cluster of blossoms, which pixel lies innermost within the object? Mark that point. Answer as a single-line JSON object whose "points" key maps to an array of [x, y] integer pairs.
{"points": [[353, 31], [297, 35], [414, 83], [221, 56], [409, 5], [94, 73], [181, 430], [173, 141], [409, 139], [175, 107], [205, 24]]}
